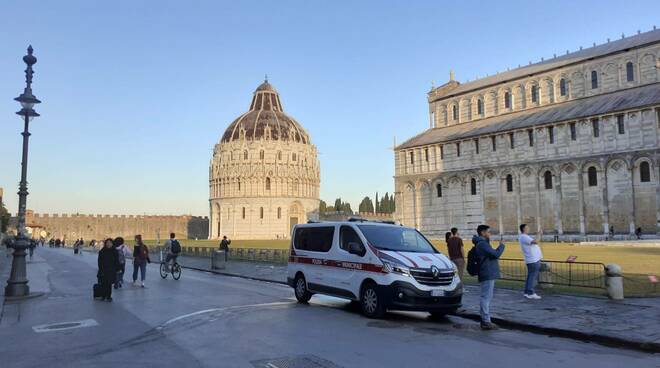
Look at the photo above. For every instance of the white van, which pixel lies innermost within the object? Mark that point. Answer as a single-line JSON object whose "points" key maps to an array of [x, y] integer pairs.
{"points": [[381, 265]]}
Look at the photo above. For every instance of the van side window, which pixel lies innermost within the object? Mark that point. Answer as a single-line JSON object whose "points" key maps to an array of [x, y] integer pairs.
{"points": [[348, 235], [315, 239]]}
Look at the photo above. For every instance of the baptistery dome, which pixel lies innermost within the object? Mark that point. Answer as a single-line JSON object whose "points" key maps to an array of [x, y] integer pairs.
{"points": [[264, 175]]}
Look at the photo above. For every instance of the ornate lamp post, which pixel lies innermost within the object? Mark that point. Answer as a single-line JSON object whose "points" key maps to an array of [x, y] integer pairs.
{"points": [[17, 285]]}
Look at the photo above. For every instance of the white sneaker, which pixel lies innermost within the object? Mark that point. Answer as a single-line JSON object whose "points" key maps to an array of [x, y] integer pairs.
{"points": [[535, 296], [529, 296], [142, 284]]}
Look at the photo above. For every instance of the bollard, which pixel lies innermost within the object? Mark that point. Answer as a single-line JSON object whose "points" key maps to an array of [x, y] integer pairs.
{"points": [[614, 281], [218, 260], [545, 276]]}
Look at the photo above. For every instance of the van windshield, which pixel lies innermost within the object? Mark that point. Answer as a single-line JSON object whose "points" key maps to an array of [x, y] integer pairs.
{"points": [[396, 238]]}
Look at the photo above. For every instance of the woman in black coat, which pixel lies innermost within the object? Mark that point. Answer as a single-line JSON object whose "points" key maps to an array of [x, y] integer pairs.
{"points": [[108, 266]]}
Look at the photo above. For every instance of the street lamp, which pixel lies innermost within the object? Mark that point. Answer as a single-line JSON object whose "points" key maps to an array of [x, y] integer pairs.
{"points": [[17, 285]]}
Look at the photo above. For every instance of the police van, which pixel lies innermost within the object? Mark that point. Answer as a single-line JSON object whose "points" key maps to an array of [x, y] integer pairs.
{"points": [[383, 266]]}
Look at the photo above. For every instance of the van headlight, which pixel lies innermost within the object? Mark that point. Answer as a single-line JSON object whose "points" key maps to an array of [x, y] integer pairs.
{"points": [[395, 268]]}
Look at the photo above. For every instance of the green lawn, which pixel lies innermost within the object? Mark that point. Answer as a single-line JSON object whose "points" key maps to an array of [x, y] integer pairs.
{"points": [[258, 244]]}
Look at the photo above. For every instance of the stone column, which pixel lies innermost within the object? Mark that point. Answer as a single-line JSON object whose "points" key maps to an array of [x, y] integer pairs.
{"points": [[632, 198], [538, 203], [581, 210], [211, 220], [518, 199], [657, 195], [414, 209], [499, 205], [558, 220], [605, 202]]}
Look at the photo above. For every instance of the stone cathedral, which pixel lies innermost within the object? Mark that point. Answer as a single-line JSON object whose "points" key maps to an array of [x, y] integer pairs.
{"points": [[569, 145], [264, 175]]}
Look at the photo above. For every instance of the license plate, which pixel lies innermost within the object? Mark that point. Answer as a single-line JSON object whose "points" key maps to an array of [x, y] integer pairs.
{"points": [[437, 292]]}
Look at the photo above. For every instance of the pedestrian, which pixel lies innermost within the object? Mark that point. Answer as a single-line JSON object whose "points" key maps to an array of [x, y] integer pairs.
{"points": [[447, 236], [75, 247], [532, 254], [31, 248], [489, 271], [638, 233], [108, 263], [81, 246], [58, 242], [455, 249], [224, 245], [140, 260], [123, 252], [611, 232]]}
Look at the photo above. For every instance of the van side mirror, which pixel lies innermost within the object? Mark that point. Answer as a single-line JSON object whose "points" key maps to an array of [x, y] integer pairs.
{"points": [[356, 248]]}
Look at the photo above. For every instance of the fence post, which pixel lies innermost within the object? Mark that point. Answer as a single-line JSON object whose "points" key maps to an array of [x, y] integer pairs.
{"points": [[614, 281]]}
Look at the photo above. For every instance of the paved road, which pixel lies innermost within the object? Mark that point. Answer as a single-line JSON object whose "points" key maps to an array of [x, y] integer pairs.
{"points": [[216, 321]]}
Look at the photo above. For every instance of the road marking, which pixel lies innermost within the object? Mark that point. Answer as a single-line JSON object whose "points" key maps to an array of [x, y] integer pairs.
{"points": [[64, 326], [205, 311]]}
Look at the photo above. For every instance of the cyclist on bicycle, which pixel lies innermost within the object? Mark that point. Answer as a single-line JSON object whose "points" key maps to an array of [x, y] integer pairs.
{"points": [[172, 250]]}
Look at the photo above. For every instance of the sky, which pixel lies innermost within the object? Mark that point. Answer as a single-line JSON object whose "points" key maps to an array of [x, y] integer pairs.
{"points": [[136, 93]]}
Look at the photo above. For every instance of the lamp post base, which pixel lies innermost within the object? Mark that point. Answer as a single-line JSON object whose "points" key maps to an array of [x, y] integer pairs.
{"points": [[17, 285]]}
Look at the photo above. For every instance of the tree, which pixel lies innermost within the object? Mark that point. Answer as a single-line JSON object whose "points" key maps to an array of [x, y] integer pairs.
{"points": [[323, 207], [366, 205], [4, 218], [338, 204]]}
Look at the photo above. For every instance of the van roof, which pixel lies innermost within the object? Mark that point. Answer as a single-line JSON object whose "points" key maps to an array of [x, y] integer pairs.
{"points": [[352, 221]]}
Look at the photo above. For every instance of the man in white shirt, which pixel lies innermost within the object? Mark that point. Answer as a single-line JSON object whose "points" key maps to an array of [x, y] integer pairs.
{"points": [[532, 252]]}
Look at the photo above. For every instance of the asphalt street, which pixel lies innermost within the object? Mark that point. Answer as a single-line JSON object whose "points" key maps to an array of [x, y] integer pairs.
{"points": [[206, 320]]}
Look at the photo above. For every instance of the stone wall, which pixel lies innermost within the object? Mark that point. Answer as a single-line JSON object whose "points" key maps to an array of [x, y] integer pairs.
{"points": [[73, 226]]}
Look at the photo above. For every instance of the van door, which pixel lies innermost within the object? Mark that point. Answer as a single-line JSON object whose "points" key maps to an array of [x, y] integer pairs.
{"points": [[350, 270], [312, 246]]}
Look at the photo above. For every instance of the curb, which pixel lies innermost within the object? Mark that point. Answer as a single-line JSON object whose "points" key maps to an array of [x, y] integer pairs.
{"points": [[235, 275], [648, 347]]}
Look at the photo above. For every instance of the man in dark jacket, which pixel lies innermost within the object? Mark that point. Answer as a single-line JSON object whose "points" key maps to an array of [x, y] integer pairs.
{"points": [[108, 263], [489, 271], [224, 245]]}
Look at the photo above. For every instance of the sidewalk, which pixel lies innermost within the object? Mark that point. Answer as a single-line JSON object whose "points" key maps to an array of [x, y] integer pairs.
{"points": [[633, 323]]}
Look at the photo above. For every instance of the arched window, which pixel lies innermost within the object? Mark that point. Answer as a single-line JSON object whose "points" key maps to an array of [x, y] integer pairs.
{"points": [[509, 183], [473, 186], [438, 189], [267, 183], [261, 212], [594, 79], [535, 94], [507, 100], [279, 155], [412, 157], [239, 185], [261, 154], [455, 112], [279, 212], [547, 178], [563, 91], [630, 76], [293, 157], [243, 213], [644, 172], [245, 155], [480, 107], [592, 175]]}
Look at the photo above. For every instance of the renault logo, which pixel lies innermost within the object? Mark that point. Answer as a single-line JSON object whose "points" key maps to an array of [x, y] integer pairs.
{"points": [[435, 271]]}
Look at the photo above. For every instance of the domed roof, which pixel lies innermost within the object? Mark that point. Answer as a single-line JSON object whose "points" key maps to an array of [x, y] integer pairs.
{"points": [[266, 118]]}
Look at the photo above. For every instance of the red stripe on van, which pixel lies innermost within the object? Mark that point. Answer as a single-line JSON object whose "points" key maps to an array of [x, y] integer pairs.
{"points": [[367, 267], [404, 256]]}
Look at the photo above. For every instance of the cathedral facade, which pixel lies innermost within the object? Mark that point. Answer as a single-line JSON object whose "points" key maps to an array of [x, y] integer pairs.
{"points": [[264, 176], [569, 145]]}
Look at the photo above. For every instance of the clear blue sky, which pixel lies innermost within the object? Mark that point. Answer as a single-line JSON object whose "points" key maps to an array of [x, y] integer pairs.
{"points": [[136, 93]]}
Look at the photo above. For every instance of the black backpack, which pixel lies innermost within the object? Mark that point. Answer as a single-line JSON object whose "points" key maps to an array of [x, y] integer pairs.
{"points": [[176, 247], [473, 262]]}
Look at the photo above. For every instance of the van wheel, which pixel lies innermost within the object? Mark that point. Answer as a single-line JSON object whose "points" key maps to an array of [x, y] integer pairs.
{"points": [[371, 301], [302, 293]]}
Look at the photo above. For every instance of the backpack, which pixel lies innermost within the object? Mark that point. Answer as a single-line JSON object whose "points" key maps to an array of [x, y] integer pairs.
{"points": [[473, 262], [120, 255], [176, 247]]}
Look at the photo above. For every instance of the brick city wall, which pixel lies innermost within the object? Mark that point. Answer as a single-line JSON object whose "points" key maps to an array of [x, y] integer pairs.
{"points": [[73, 226]]}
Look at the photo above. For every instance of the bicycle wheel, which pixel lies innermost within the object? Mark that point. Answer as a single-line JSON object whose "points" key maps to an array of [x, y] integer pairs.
{"points": [[163, 270], [176, 271]]}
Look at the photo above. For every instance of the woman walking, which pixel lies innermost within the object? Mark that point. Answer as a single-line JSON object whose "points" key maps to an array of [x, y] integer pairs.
{"points": [[122, 253], [140, 260], [108, 263]]}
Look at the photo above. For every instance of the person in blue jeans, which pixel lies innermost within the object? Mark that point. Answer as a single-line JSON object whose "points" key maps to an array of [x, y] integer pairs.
{"points": [[140, 260], [532, 253], [489, 271]]}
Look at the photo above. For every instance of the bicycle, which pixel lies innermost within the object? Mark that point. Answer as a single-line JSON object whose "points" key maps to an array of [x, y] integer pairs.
{"points": [[174, 269]]}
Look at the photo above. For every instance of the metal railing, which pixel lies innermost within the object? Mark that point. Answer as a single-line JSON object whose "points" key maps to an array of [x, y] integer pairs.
{"points": [[241, 254], [574, 274]]}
